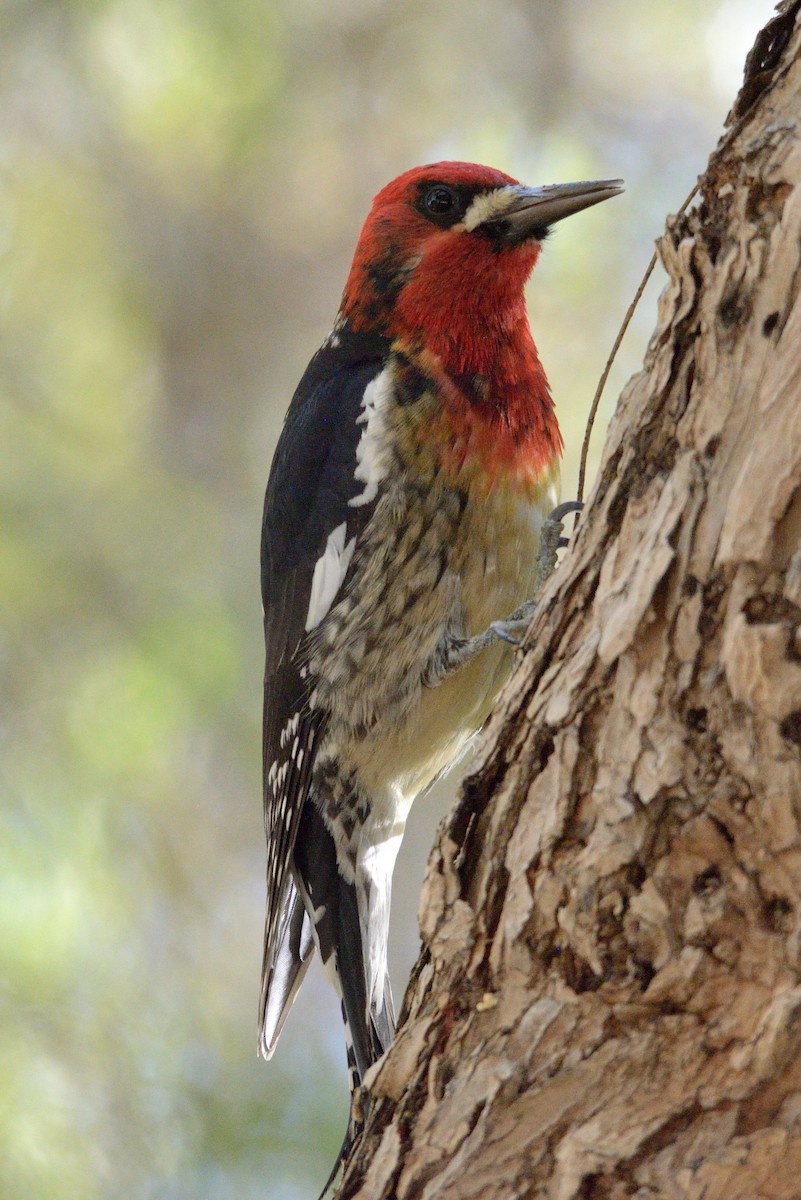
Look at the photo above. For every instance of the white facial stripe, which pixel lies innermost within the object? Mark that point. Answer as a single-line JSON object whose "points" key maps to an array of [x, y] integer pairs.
{"points": [[371, 466], [329, 571], [488, 205]]}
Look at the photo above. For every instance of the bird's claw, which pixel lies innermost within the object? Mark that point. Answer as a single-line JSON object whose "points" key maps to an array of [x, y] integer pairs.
{"points": [[514, 628], [561, 511], [551, 539], [508, 631]]}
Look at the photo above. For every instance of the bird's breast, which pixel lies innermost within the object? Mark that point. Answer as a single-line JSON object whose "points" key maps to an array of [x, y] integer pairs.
{"points": [[450, 547], [434, 560], [494, 571]]}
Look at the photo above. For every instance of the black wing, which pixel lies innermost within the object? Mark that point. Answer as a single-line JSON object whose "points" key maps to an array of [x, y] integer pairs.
{"points": [[311, 483]]}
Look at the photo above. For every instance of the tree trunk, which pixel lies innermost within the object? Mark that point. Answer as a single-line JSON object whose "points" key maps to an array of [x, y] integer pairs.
{"points": [[608, 1003]]}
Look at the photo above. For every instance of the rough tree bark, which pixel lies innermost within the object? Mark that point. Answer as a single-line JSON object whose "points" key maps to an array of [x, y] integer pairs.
{"points": [[608, 1002]]}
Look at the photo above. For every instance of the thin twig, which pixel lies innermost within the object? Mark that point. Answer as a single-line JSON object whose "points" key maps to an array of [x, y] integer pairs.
{"points": [[596, 400]]}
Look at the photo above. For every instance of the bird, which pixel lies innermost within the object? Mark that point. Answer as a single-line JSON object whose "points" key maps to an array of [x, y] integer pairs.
{"points": [[406, 524]]}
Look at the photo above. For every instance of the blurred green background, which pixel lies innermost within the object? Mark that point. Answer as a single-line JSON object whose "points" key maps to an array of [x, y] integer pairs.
{"points": [[181, 187]]}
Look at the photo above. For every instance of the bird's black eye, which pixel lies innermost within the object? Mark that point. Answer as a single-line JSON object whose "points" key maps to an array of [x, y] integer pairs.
{"points": [[440, 201]]}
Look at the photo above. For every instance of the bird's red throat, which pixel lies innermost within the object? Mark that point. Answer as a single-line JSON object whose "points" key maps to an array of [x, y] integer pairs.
{"points": [[461, 314]]}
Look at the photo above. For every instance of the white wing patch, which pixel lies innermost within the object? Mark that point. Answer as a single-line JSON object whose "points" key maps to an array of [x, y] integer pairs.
{"points": [[371, 466], [329, 571], [332, 565]]}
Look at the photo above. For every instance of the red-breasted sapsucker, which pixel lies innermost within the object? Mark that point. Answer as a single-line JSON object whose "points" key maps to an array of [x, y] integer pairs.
{"points": [[418, 462]]}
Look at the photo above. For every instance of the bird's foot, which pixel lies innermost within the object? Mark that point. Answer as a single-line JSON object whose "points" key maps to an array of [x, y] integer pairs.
{"points": [[456, 653], [551, 539], [513, 628]]}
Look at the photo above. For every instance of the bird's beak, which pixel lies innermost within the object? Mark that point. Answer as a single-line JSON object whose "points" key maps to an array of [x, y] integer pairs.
{"points": [[532, 211]]}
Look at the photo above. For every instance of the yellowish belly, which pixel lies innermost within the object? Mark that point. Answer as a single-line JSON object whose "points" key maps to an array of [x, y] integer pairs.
{"points": [[496, 569]]}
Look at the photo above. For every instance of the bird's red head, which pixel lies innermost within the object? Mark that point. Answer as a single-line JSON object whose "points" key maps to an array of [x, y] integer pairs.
{"points": [[445, 253], [420, 273], [440, 268]]}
